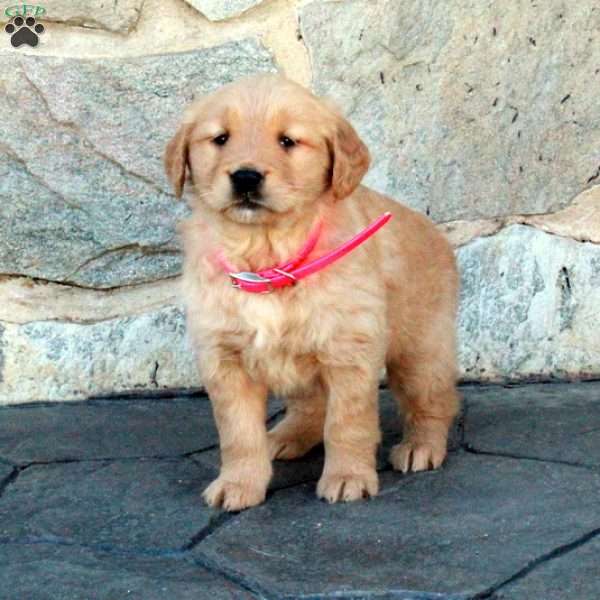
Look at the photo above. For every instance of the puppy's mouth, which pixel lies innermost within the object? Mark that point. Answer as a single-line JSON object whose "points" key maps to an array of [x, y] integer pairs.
{"points": [[249, 201]]}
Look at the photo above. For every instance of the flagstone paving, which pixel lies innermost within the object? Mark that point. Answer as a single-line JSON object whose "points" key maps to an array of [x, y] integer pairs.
{"points": [[101, 500]]}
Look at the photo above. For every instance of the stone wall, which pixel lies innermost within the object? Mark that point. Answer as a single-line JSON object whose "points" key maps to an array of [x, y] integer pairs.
{"points": [[484, 115]]}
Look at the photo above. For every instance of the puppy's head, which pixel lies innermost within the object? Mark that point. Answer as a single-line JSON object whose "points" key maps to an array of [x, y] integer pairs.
{"points": [[262, 148]]}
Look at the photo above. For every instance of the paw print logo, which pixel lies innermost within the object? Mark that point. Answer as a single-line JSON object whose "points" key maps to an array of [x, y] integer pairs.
{"points": [[24, 31]]}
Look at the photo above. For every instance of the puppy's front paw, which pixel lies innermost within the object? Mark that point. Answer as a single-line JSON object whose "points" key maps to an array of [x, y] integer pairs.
{"points": [[234, 496], [412, 455], [348, 487]]}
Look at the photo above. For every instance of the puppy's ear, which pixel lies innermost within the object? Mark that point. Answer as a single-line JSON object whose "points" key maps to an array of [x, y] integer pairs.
{"points": [[350, 159], [176, 158]]}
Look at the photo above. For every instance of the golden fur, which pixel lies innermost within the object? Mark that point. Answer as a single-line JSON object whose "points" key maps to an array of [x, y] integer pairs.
{"points": [[322, 343]]}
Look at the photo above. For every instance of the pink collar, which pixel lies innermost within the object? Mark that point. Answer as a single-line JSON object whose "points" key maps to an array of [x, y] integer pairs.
{"points": [[290, 272]]}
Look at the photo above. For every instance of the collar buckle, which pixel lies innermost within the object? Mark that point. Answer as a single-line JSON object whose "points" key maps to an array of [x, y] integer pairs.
{"points": [[249, 277]]}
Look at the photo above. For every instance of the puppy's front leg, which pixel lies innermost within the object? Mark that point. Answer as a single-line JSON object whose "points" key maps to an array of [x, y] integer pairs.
{"points": [[351, 436], [239, 406]]}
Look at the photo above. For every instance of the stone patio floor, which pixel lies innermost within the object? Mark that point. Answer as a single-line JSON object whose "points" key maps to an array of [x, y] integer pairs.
{"points": [[101, 500]]}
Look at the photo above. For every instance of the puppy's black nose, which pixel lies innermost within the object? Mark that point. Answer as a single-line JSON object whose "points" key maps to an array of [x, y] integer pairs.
{"points": [[246, 180]]}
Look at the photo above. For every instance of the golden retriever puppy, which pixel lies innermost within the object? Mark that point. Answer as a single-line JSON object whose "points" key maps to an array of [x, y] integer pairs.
{"points": [[273, 166]]}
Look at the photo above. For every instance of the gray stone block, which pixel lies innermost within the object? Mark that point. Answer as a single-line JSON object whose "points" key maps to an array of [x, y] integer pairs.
{"points": [[54, 360], [54, 572], [456, 531], [6, 471], [549, 422], [529, 303], [106, 429], [120, 16], [84, 198], [219, 10], [471, 111], [136, 504], [573, 575], [516, 527]]}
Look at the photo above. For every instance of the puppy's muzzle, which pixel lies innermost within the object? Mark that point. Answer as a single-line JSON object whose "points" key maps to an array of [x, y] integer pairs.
{"points": [[246, 182]]}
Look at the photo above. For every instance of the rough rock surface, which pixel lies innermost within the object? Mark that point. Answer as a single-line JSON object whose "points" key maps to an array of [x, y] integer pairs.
{"points": [[91, 516], [83, 197], [460, 233], [105, 430], [120, 16], [218, 10], [481, 116], [572, 576], [25, 300], [474, 111], [53, 572], [151, 492], [544, 420], [579, 221], [51, 360], [529, 306], [445, 532]]}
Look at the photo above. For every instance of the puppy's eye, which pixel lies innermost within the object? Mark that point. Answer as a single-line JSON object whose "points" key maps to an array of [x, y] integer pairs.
{"points": [[221, 140], [286, 142]]}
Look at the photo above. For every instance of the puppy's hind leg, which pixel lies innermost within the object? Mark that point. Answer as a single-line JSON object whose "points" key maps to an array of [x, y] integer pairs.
{"points": [[302, 427], [423, 383]]}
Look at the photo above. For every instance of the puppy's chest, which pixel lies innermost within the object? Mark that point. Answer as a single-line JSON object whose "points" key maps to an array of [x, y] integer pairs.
{"points": [[281, 343]]}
